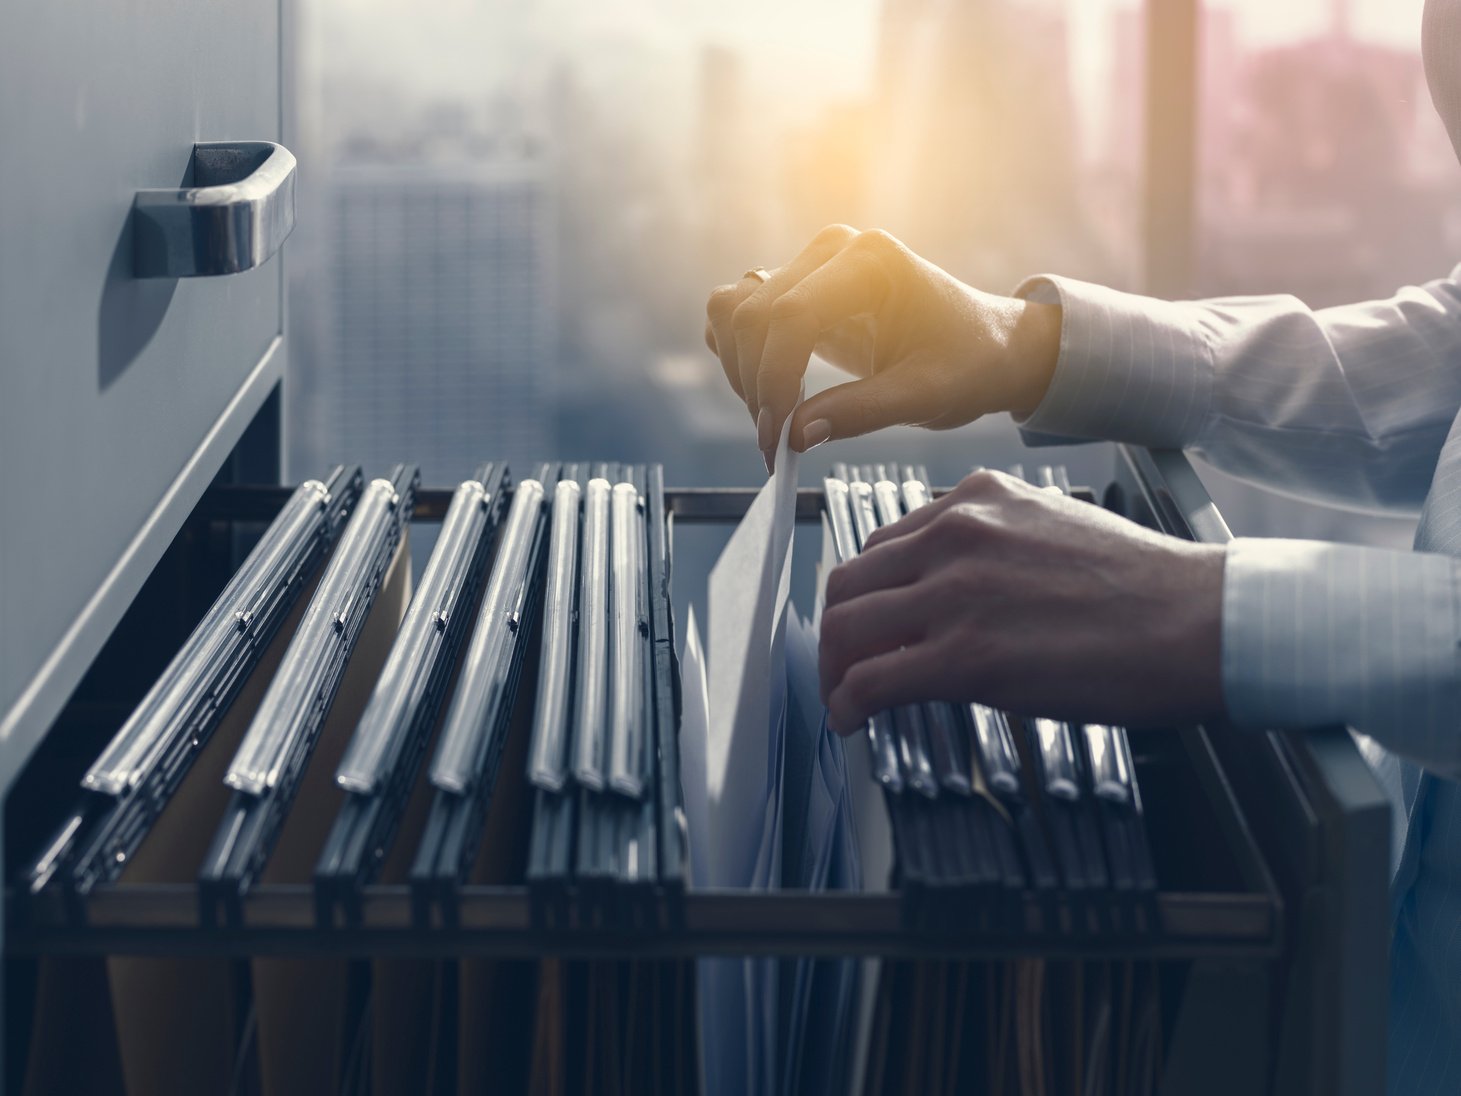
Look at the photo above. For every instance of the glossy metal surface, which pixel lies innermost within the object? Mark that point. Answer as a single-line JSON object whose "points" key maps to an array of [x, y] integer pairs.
{"points": [[997, 750], [235, 217], [230, 625], [593, 639], [380, 735], [485, 668], [1110, 777], [325, 637], [548, 760], [279, 919], [626, 651], [1057, 759]]}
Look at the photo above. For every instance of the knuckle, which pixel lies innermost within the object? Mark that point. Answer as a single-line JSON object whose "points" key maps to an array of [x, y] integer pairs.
{"points": [[721, 303], [837, 590], [834, 628], [945, 530], [943, 669], [1005, 484], [981, 483], [963, 659], [878, 241], [787, 308], [947, 587], [747, 317], [834, 235], [857, 687], [863, 686], [864, 412], [842, 716]]}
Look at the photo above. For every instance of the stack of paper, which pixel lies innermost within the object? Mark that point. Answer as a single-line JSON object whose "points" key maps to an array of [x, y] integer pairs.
{"points": [[768, 806]]}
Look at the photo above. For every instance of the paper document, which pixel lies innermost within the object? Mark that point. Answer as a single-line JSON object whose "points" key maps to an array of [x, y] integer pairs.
{"points": [[747, 686], [746, 694], [768, 804], [694, 729]]}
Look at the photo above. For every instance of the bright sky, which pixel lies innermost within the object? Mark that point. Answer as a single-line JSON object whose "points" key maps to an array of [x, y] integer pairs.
{"points": [[800, 53], [1396, 22]]}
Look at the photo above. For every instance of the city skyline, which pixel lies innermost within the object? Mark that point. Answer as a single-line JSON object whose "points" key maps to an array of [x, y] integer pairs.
{"points": [[675, 162], [433, 326]]}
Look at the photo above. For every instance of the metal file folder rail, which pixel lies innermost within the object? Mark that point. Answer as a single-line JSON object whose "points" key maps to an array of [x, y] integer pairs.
{"points": [[482, 777]]}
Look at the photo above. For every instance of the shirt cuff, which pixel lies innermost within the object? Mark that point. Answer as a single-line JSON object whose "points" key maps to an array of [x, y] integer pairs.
{"points": [[1317, 634], [1131, 368]]}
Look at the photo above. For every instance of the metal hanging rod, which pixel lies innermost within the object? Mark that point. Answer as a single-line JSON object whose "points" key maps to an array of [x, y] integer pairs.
{"points": [[689, 505]]}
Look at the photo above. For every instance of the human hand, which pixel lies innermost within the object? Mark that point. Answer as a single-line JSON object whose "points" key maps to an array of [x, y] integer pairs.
{"points": [[1020, 598], [930, 350]]}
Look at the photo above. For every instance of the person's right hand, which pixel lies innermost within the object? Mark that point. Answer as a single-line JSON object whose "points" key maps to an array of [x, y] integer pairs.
{"points": [[928, 349]]}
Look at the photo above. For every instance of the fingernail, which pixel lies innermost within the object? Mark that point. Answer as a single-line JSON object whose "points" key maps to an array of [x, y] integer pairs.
{"points": [[764, 428], [766, 457], [815, 433]]}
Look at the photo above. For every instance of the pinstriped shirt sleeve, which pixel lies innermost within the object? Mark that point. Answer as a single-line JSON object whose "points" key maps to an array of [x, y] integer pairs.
{"points": [[1349, 404], [1317, 633]]}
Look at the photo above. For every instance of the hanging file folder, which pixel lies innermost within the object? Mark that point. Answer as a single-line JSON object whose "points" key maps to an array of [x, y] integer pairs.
{"points": [[386, 750], [608, 822], [271, 759], [135, 777], [465, 767]]}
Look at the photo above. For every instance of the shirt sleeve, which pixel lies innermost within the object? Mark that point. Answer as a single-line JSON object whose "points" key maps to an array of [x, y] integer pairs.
{"points": [[1317, 633], [1350, 405]]}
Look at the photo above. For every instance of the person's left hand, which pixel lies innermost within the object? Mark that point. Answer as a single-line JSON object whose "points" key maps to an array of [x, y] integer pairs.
{"points": [[1020, 598]]}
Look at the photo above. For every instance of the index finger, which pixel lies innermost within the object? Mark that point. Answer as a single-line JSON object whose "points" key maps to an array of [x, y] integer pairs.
{"points": [[719, 309], [850, 284]]}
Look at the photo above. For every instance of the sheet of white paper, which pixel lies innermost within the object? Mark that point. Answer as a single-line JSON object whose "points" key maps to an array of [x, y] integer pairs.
{"points": [[760, 974], [764, 1019], [746, 695], [799, 755], [694, 732], [815, 1003], [747, 684]]}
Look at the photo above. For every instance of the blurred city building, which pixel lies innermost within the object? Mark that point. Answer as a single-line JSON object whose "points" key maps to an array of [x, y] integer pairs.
{"points": [[1325, 172], [434, 308], [978, 161]]}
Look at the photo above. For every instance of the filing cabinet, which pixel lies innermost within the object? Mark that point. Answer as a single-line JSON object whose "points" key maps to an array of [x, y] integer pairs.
{"points": [[121, 395]]}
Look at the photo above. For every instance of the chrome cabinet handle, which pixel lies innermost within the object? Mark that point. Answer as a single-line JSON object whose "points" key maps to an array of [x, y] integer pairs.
{"points": [[236, 216]]}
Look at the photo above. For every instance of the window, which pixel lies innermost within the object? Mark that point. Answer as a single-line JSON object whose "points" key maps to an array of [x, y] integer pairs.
{"points": [[511, 213], [1324, 172]]}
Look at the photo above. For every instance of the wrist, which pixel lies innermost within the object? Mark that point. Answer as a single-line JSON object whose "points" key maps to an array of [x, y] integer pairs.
{"points": [[1033, 350], [1198, 604]]}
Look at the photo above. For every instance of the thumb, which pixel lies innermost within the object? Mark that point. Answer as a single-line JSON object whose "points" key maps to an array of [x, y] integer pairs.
{"points": [[858, 407]]}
